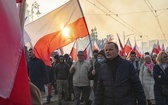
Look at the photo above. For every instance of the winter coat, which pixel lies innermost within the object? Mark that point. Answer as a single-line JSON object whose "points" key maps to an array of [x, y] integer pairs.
{"points": [[123, 90], [61, 71], [160, 98], [147, 81], [38, 73], [35, 95], [80, 76], [94, 77]]}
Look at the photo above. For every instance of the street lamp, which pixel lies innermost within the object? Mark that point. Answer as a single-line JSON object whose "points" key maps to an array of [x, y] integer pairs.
{"points": [[35, 5], [94, 33]]}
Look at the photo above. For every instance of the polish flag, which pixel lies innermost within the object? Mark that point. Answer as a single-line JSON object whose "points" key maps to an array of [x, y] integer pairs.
{"points": [[127, 47], [57, 29], [74, 51], [14, 87], [158, 46], [121, 46], [137, 51], [155, 49], [87, 52], [95, 46]]}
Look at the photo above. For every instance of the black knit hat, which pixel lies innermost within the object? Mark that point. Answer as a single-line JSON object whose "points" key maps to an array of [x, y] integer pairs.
{"points": [[102, 53], [61, 56]]}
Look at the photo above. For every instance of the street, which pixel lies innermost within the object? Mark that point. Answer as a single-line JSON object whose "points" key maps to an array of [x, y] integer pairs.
{"points": [[54, 100]]}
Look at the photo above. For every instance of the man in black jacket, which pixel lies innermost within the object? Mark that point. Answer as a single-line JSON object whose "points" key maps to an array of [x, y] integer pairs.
{"points": [[118, 83], [37, 71], [61, 72]]}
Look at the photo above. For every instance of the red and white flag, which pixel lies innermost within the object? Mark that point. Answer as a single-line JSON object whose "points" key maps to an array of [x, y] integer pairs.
{"points": [[137, 51], [127, 47], [121, 47], [87, 52], [95, 46], [57, 29], [155, 49], [74, 51], [14, 87], [158, 46]]}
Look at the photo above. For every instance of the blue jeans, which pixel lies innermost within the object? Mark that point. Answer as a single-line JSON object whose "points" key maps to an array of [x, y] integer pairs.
{"points": [[85, 92]]}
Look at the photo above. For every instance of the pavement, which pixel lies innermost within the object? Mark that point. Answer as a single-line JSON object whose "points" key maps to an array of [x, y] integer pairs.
{"points": [[54, 100]]}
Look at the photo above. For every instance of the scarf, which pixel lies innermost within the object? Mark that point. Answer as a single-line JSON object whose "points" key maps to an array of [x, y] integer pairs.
{"points": [[149, 65]]}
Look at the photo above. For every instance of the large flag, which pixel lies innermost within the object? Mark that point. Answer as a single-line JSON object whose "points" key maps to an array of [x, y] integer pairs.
{"points": [[127, 47], [14, 87], [137, 51], [121, 46], [57, 29], [74, 51], [87, 52]]}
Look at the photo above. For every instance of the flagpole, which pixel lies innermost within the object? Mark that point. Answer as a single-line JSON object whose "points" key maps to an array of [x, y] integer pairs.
{"points": [[22, 18], [22, 14], [88, 32]]}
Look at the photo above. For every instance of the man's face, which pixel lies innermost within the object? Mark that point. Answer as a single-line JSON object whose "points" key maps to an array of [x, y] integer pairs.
{"points": [[61, 59], [80, 57], [31, 54], [110, 51], [132, 57]]}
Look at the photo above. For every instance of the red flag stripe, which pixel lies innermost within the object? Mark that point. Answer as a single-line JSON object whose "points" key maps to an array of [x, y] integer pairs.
{"points": [[18, 1]]}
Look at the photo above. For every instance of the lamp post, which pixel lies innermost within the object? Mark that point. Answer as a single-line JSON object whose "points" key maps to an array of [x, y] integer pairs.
{"points": [[94, 34], [36, 6]]}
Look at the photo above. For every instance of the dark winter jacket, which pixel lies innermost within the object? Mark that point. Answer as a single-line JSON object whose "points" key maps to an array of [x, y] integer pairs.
{"points": [[38, 73], [94, 77], [61, 71], [160, 98], [118, 84]]}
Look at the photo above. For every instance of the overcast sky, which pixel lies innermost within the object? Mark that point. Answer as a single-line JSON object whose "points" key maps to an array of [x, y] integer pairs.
{"points": [[118, 16]]}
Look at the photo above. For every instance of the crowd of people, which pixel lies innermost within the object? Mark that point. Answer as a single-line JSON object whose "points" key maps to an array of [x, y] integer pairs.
{"points": [[109, 79]]}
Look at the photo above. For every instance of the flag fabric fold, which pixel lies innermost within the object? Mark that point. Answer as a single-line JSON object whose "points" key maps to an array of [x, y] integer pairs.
{"points": [[137, 51], [14, 88], [127, 47], [87, 52], [121, 46], [74, 51], [155, 49], [49, 32]]}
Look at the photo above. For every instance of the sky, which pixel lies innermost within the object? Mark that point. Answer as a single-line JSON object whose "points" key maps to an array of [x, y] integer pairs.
{"points": [[132, 18]]}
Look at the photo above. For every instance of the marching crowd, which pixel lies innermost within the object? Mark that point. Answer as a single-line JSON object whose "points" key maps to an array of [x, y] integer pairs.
{"points": [[108, 79]]}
